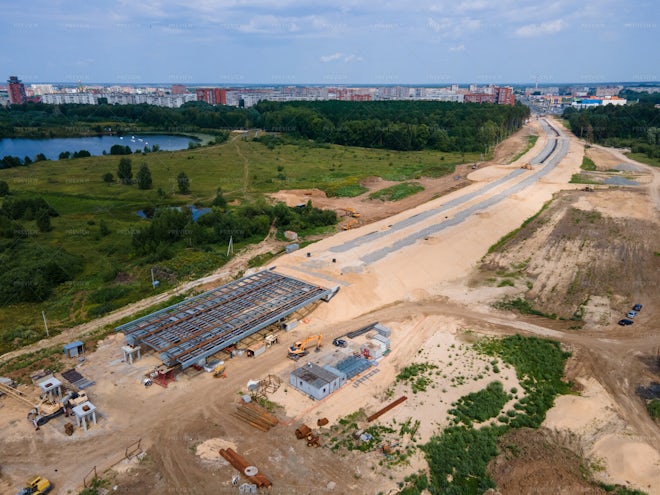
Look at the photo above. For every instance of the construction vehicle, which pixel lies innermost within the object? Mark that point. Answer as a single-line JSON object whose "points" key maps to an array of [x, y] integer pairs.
{"points": [[350, 212], [299, 349], [41, 412], [36, 485], [219, 371], [350, 224]]}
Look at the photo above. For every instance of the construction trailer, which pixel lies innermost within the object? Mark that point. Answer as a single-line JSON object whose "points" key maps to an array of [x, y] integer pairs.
{"points": [[186, 333], [74, 349], [315, 381]]}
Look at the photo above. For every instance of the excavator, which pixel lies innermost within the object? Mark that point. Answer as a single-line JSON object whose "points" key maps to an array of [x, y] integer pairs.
{"points": [[36, 485], [350, 212], [299, 348], [40, 413]]}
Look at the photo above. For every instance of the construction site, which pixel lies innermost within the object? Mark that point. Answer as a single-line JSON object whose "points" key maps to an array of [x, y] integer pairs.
{"points": [[289, 379]]}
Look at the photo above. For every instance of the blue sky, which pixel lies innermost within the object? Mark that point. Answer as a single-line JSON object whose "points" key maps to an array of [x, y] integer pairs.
{"points": [[343, 42]]}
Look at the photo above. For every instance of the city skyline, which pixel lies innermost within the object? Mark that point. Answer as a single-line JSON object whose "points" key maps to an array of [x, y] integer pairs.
{"points": [[261, 42]]}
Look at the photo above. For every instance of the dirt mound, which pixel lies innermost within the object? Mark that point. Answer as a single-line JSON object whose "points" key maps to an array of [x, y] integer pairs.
{"points": [[532, 459], [583, 257]]}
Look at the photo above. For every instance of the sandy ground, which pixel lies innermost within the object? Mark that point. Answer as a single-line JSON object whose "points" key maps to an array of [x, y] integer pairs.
{"points": [[618, 451], [421, 290]]}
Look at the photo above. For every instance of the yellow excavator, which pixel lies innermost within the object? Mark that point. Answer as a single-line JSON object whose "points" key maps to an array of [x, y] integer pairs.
{"points": [[299, 348], [219, 371], [36, 485], [350, 212]]}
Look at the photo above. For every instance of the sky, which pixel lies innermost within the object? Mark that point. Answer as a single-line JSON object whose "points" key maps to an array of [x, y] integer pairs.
{"points": [[432, 42]]}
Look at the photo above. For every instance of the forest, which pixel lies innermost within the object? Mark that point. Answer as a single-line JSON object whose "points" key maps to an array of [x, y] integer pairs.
{"points": [[395, 125], [635, 126]]}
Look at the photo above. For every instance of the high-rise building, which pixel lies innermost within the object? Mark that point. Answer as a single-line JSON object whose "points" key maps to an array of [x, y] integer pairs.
{"points": [[212, 96], [479, 98], [179, 89], [16, 90], [504, 95]]}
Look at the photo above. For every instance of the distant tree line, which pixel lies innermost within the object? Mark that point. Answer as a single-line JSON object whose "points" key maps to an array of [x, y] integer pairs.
{"points": [[40, 120], [636, 126], [398, 125]]}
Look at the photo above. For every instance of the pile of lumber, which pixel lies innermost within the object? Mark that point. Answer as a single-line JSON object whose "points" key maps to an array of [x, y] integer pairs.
{"points": [[240, 463], [256, 416]]}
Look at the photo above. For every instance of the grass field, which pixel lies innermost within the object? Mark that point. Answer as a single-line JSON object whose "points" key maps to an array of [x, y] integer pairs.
{"points": [[112, 274], [397, 192], [644, 158]]}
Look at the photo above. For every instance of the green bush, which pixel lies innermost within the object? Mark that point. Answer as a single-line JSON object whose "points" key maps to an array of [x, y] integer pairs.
{"points": [[482, 405], [654, 408]]}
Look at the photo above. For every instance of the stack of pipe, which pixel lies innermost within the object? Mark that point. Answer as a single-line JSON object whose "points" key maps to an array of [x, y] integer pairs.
{"points": [[256, 416], [240, 463]]}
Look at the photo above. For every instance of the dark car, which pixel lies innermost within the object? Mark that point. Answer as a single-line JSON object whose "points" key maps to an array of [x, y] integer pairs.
{"points": [[625, 322], [339, 342], [637, 307]]}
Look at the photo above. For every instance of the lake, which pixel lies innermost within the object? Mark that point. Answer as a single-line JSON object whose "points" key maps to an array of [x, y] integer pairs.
{"points": [[96, 145]]}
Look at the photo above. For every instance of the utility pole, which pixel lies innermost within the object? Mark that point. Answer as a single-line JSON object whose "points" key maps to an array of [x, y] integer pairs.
{"points": [[43, 315], [230, 247]]}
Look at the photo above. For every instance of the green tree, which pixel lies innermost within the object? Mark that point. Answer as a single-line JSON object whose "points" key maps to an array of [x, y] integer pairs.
{"points": [[183, 182], [143, 177], [4, 188], [43, 221], [108, 177], [124, 172], [103, 228], [220, 201], [118, 149]]}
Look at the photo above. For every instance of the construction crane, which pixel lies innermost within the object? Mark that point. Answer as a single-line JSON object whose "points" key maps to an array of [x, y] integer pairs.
{"points": [[40, 413], [299, 348]]}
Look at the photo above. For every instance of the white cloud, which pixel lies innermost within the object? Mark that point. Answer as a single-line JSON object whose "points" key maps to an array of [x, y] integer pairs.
{"points": [[270, 24], [353, 58], [453, 28], [531, 30], [459, 48], [330, 58], [344, 57]]}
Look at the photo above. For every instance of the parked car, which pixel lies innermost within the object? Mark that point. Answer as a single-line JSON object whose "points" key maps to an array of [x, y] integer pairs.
{"points": [[631, 314], [339, 342], [625, 322], [637, 307]]}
